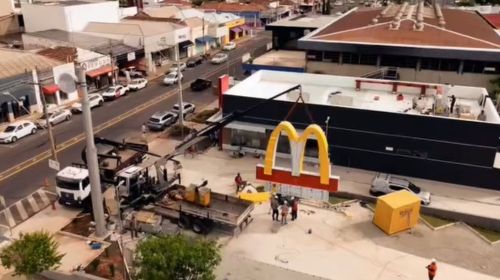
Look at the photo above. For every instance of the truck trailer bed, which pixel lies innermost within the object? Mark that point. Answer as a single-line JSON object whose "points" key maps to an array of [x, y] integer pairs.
{"points": [[223, 209]]}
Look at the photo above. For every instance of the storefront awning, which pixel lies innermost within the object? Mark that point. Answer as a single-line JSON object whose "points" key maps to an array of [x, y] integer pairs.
{"points": [[236, 30], [245, 27], [100, 71], [205, 39], [50, 89], [185, 44]]}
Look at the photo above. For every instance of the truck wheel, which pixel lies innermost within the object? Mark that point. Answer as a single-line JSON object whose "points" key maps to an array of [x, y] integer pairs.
{"points": [[184, 222], [199, 227]]}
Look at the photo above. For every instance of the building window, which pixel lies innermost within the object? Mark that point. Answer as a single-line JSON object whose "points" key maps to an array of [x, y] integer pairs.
{"points": [[471, 66], [331, 57], [429, 63], [368, 59], [449, 65], [315, 55], [399, 61], [350, 58]]}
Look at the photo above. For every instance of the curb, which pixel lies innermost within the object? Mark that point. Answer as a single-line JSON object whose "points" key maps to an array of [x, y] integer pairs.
{"points": [[480, 235], [435, 228]]}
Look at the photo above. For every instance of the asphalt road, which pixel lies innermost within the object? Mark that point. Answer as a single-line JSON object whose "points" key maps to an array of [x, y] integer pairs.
{"points": [[32, 175]]}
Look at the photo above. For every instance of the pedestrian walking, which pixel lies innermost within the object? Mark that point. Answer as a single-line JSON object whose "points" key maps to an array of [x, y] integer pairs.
{"points": [[295, 208], [431, 269], [274, 207], [284, 213], [133, 227], [239, 182]]}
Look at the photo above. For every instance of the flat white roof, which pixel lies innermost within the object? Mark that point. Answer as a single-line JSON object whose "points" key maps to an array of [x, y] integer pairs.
{"points": [[75, 173], [282, 58], [306, 21], [373, 94]]}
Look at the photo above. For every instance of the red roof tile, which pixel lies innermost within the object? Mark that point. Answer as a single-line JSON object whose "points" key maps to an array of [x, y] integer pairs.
{"points": [[463, 29], [234, 7], [493, 19]]}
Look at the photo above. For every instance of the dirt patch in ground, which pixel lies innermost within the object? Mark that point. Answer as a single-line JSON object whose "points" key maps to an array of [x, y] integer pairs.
{"points": [[80, 225], [109, 264]]}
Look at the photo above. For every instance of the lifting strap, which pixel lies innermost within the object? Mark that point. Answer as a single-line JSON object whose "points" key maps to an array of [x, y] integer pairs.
{"points": [[305, 106]]}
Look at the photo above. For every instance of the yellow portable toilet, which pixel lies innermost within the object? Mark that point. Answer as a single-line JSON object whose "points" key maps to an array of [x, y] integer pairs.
{"points": [[397, 211]]}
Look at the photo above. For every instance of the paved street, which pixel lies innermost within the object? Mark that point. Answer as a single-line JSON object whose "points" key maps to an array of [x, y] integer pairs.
{"points": [[31, 175]]}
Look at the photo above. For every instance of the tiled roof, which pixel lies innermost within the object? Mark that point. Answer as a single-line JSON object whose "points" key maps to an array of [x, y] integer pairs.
{"points": [[462, 29], [15, 62], [234, 7], [65, 54], [493, 19]]}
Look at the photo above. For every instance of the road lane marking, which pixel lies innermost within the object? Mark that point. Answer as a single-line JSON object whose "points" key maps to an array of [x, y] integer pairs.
{"points": [[65, 145], [21, 210], [33, 204]]}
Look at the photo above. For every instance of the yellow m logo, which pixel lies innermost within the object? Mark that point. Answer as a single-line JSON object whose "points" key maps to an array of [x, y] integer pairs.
{"points": [[297, 149]]}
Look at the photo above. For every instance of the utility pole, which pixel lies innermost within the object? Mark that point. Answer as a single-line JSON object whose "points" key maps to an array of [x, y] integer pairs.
{"points": [[204, 39], [179, 82], [113, 80], [47, 121], [91, 154]]}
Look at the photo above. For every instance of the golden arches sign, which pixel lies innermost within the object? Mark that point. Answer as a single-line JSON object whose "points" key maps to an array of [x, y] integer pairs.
{"points": [[297, 149]]}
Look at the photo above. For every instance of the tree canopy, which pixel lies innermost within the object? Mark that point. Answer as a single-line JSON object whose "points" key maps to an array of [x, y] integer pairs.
{"points": [[176, 257], [32, 253]]}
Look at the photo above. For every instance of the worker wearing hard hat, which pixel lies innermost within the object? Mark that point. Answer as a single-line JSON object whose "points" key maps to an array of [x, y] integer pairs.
{"points": [[431, 269]]}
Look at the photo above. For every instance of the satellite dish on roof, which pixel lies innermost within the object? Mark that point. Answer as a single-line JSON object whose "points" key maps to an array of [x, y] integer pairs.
{"points": [[66, 82]]}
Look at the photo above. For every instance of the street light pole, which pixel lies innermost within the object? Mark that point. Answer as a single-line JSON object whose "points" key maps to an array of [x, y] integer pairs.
{"points": [[47, 123], [179, 82], [91, 155]]}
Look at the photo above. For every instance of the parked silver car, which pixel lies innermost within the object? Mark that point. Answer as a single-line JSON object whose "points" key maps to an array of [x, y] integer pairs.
{"points": [[386, 183], [162, 120], [55, 117]]}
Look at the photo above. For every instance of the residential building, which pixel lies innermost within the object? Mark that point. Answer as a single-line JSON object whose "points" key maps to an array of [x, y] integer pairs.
{"points": [[423, 43], [9, 20], [23, 74], [427, 130], [255, 14], [159, 39], [97, 53], [70, 15]]}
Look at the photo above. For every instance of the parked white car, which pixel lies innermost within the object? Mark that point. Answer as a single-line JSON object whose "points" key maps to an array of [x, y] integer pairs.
{"points": [[172, 78], [16, 131], [137, 84], [114, 92], [95, 100], [229, 46], [55, 117], [189, 108], [386, 183], [219, 58], [174, 67]]}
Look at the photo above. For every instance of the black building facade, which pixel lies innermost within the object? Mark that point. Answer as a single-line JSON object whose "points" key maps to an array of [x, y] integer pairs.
{"points": [[444, 149]]}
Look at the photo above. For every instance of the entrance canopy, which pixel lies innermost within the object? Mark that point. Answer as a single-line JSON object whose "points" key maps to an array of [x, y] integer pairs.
{"points": [[100, 71], [205, 39], [185, 44], [50, 89], [236, 30]]}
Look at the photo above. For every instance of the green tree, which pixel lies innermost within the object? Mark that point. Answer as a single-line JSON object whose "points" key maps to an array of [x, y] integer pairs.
{"points": [[176, 257], [31, 254], [495, 93]]}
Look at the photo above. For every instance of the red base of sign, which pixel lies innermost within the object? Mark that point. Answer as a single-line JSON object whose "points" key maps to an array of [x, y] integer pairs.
{"points": [[305, 180]]}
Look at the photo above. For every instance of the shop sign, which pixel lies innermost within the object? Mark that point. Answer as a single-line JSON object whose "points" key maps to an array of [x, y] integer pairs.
{"points": [[130, 56]]}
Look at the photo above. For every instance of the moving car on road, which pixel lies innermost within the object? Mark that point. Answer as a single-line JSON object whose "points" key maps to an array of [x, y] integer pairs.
{"points": [[229, 46], [137, 84], [55, 117], [200, 84], [193, 61], [174, 67], [189, 108], [95, 100], [172, 78], [219, 58], [162, 120], [114, 92], [385, 183], [16, 131]]}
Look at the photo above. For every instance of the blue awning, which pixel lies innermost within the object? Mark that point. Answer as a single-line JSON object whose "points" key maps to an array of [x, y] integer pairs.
{"points": [[205, 39]]}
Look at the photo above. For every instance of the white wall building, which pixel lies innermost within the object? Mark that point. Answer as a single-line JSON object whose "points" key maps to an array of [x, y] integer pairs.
{"points": [[68, 15], [159, 39]]}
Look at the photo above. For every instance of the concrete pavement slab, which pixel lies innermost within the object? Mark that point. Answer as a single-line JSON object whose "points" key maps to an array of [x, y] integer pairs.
{"points": [[47, 220]]}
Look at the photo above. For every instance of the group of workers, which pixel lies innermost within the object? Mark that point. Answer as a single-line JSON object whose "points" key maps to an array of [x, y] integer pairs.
{"points": [[285, 208]]}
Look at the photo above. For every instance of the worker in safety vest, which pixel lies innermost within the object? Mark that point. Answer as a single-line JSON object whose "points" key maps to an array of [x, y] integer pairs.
{"points": [[431, 269]]}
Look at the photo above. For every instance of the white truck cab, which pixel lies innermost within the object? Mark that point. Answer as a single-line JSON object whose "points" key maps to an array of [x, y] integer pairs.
{"points": [[72, 185], [130, 179]]}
